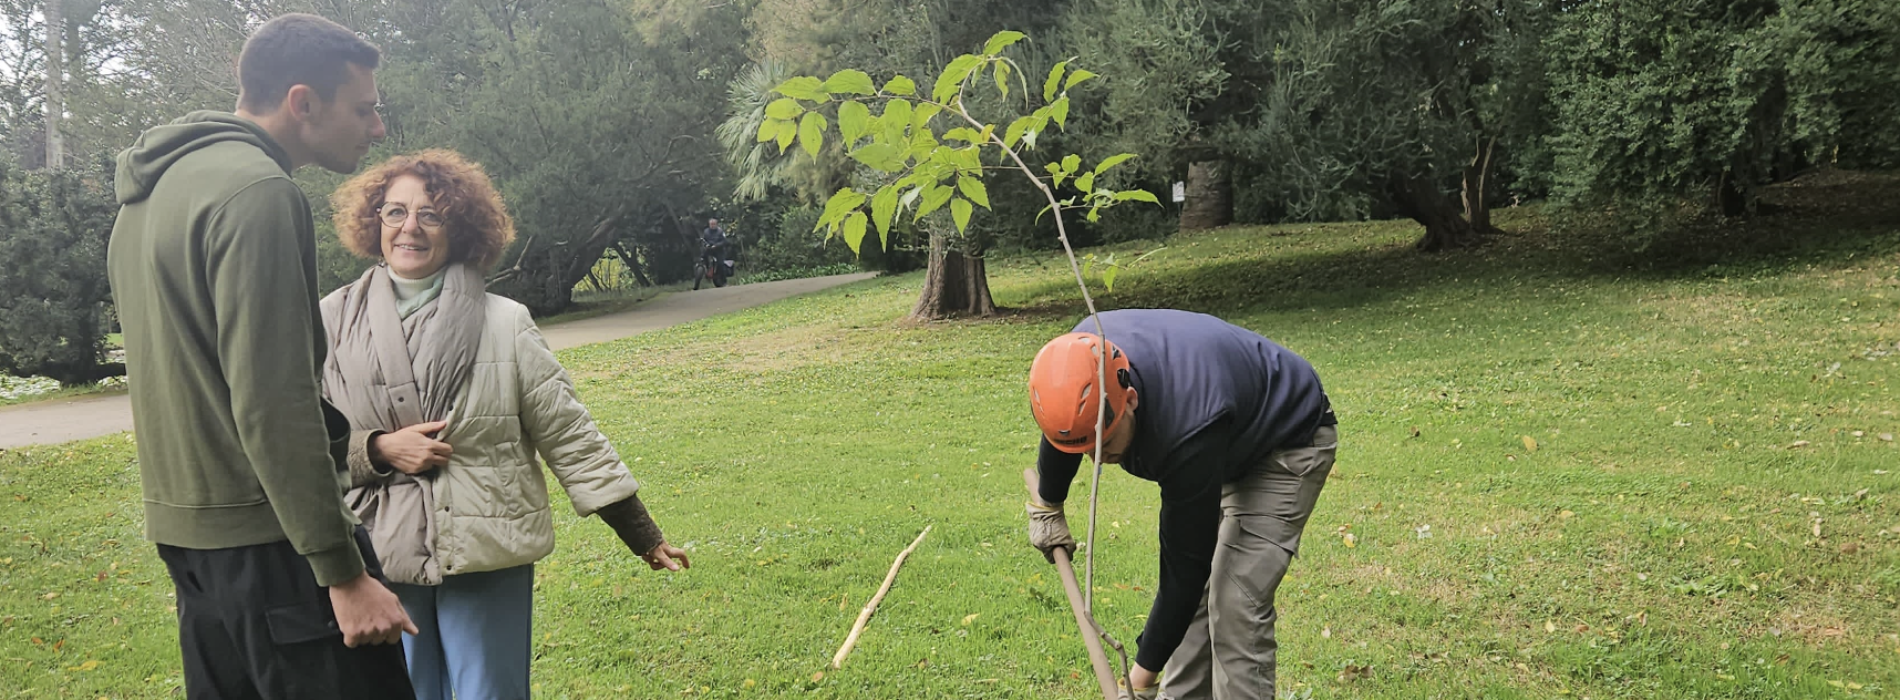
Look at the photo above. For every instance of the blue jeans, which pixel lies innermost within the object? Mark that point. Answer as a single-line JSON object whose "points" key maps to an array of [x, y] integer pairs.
{"points": [[476, 635]]}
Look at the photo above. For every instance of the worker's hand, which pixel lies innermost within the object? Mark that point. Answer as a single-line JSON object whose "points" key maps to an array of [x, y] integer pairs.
{"points": [[1126, 690], [1049, 530], [1149, 693]]}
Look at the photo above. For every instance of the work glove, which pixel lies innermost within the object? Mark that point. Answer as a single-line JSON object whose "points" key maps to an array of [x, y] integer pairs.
{"points": [[1049, 529], [1125, 692]]}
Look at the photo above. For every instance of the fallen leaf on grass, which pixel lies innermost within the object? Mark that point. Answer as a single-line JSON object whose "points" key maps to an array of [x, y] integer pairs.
{"points": [[1351, 541], [1850, 548], [1352, 673], [1530, 443], [1798, 444], [967, 619], [89, 665], [1886, 437], [50, 596], [1326, 633], [1550, 626], [819, 676]]}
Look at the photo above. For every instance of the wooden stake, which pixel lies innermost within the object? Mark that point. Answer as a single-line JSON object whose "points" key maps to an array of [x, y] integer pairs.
{"points": [[837, 660], [1084, 623]]}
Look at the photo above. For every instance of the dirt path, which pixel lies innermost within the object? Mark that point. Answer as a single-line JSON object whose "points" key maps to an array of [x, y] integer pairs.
{"points": [[54, 422]]}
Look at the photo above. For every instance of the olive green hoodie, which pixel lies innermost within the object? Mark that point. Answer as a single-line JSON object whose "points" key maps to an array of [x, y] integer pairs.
{"points": [[213, 269]]}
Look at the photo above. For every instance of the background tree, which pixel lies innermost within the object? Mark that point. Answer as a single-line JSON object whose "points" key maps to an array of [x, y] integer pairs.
{"points": [[54, 298], [1707, 101]]}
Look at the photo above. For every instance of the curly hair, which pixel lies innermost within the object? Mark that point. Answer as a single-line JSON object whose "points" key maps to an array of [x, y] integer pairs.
{"points": [[478, 225]]}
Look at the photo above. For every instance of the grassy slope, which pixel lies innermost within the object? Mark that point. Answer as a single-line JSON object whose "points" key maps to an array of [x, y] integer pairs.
{"points": [[1660, 541]]}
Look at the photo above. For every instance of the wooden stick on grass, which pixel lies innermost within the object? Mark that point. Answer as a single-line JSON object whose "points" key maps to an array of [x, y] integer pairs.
{"points": [[837, 660]]}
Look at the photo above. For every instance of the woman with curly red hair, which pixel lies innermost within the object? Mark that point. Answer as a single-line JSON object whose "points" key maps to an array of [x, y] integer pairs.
{"points": [[451, 392]]}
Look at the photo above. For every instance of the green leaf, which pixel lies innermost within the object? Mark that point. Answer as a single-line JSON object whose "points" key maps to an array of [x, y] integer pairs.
{"points": [[787, 131], [1056, 171], [811, 132], [1055, 81], [884, 209], [1136, 195], [1088, 264], [972, 188], [968, 159], [935, 196], [1113, 161], [883, 156], [1085, 181], [960, 210], [1002, 78], [953, 76], [853, 120], [783, 108], [804, 87], [901, 85], [854, 230], [922, 144], [1016, 129], [1094, 215], [1071, 162], [768, 130], [921, 117], [964, 134], [896, 118], [1078, 76], [843, 202], [910, 198], [1108, 274], [1001, 41], [851, 81], [1059, 111]]}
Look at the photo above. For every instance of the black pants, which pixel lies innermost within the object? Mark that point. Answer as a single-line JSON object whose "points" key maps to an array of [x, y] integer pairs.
{"points": [[254, 625]]}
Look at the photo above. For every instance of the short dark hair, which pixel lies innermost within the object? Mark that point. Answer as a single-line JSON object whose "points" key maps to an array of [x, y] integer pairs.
{"points": [[299, 49]]}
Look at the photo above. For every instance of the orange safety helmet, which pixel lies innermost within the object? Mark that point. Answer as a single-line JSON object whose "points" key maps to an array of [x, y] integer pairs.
{"points": [[1062, 389]]}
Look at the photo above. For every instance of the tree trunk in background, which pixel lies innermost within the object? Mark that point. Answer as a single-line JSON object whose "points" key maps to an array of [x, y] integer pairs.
{"points": [[1418, 197], [55, 88], [633, 263], [955, 285], [1729, 198], [1476, 184], [1210, 196]]}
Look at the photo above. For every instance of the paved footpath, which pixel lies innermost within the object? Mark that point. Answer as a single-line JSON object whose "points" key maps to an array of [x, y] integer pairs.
{"points": [[54, 422]]}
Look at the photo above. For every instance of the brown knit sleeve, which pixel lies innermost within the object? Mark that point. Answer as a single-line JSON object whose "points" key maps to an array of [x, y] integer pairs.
{"points": [[630, 520]]}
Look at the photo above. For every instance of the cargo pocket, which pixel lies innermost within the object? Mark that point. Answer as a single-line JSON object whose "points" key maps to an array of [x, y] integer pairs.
{"points": [[301, 622]]}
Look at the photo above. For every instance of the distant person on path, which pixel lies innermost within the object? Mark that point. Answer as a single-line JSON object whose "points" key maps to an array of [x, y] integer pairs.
{"points": [[213, 267], [451, 393], [1240, 436], [715, 239]]}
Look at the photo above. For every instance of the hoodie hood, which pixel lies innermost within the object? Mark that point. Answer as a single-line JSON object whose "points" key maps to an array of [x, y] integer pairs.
{"points": [[157, 149]]}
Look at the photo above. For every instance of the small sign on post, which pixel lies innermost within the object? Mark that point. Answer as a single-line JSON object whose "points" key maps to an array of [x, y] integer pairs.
{"points": [[1180, 192]]}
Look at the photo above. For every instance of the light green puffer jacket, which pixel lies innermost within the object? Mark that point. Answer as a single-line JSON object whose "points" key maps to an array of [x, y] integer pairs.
{"points": [[491, 500]]}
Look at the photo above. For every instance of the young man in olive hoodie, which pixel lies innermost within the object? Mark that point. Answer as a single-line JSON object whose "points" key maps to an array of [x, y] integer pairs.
{"points": [[213, 267]]}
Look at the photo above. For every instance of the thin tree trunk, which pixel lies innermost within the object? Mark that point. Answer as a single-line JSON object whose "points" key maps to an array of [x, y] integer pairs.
{"points": [[1728, 197], [954, 285], [1210, 196], [55, 86], [1419, 198], [633, 263], [1477, 181]]}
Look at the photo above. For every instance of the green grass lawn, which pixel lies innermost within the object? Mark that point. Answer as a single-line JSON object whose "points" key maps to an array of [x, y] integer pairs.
{"points": [[1562, 475]]}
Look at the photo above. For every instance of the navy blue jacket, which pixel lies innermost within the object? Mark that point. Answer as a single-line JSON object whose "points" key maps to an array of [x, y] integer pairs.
{"points": [[1214, 400]]}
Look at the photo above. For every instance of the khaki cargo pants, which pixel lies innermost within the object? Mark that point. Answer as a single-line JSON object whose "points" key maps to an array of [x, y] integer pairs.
{"points": [[1229, 650]]}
